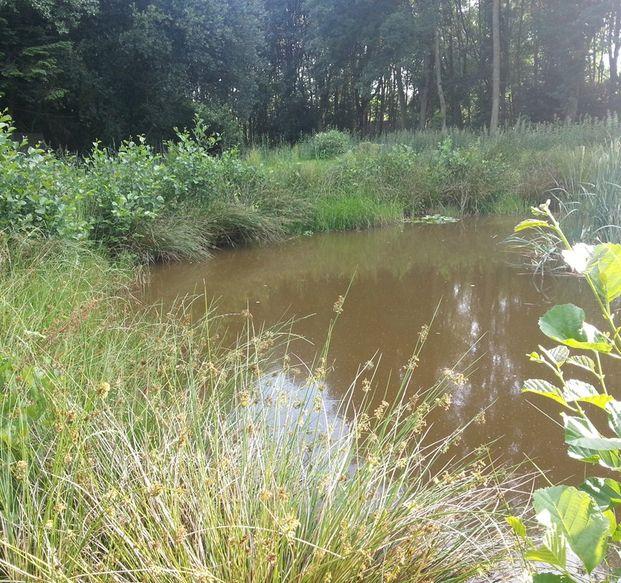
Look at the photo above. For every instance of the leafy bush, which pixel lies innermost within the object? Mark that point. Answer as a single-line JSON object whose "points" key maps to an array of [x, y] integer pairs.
{"points": [[219, 121], [330, 144], [467, 179], [126, 192], [37, 190], [580, 521]]}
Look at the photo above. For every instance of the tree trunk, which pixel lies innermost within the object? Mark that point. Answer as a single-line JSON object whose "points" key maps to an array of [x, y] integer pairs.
{"points": [[379, 122], [614, 43], [424, 97], [493, 124], [438, 67], [402, 99]]}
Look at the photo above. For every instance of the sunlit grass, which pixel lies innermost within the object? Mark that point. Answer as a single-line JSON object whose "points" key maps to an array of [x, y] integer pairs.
{"points": [[353, 212]]}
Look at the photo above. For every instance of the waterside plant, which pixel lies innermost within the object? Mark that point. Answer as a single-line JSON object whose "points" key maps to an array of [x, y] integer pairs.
{"points": [[580, 535]]}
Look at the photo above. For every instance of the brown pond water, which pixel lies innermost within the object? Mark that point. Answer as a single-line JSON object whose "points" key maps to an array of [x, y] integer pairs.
{"points": [[487, 308]]}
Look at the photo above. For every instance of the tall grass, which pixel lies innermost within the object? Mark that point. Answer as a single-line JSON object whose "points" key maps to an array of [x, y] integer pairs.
{"points": [[134, 448], [591, 197], [353, 212]]}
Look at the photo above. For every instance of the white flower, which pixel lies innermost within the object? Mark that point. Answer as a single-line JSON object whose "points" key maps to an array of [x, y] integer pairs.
{"points": [[579, 256]]}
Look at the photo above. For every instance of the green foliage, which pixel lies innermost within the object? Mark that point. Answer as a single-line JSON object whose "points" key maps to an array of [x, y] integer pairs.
{"points": [[126, 191], [192, 195], [583, 519], [352, 212], [330, 144], [468, 179], [221, 122], [566, 324], [37, 190], [79, 70]]}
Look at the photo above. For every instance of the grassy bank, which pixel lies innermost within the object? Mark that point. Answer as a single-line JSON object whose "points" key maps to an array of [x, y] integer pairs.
{"points": [[183, 202], [134, 449]]}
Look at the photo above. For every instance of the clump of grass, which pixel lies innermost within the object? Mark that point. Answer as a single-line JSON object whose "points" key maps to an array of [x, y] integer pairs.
{"points": [[141, 449], [353, 212], [588, 202], [591, 197]]}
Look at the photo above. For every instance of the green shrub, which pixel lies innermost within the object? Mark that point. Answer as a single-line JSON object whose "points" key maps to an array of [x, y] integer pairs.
{"points": [[330, 144], [38, 192], [219, 121], [126, 192], [469, 180]]}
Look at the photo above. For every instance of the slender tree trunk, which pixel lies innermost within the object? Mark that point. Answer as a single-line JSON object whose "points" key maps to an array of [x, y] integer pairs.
{"points": [[402, 99], [536, 56], [379, 122], [614, 44], [424, 97], [493, 124], [516, 88], [438, 67]]}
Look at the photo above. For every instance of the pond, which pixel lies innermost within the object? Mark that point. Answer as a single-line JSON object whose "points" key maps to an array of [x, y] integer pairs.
{"points": [[487, 310]]}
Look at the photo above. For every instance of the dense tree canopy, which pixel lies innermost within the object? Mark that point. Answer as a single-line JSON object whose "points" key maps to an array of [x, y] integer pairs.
{"points": [[78, 70]]}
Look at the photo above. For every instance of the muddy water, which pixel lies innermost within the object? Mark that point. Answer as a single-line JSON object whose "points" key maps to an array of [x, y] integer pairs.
{"points": [[487, 309]]}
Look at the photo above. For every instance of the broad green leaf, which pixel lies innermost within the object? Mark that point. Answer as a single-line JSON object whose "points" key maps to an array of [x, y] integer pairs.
{"points": [[584, 362], [565, 324], [516, 524], [576, 390], [545, 555], [587, 444], [605, 270], [545, 389], [553, 550], [531, 224], [558, 354], [577, 517], [606, 492]]}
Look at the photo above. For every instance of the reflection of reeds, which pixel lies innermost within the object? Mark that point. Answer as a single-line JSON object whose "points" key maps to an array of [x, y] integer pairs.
{"points": [[136, 449]]}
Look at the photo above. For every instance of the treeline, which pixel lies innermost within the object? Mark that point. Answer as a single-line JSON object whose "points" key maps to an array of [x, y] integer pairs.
{"points": [[72, 71]]}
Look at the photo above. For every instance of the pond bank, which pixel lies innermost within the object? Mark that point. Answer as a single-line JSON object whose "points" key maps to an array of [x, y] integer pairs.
{"points": [[184, 202]]}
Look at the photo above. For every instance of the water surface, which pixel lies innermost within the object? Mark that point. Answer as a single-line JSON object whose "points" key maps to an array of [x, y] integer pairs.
{"points": [[399, 277]]}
